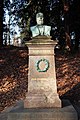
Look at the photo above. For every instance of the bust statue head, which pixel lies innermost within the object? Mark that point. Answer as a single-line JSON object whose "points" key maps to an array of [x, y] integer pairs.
{"points": [[39, 18], [40, 29]]}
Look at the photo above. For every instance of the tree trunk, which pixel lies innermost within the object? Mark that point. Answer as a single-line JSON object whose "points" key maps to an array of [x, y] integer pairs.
{"points": [[1, 23], [66, 17]]}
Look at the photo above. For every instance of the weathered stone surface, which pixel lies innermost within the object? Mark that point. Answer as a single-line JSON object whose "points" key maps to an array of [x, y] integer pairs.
{"points": [[67, 112], [42, 88], [38, 100]]}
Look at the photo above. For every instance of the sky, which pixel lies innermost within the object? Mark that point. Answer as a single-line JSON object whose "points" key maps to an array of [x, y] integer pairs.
{"points": [[16, 28]]}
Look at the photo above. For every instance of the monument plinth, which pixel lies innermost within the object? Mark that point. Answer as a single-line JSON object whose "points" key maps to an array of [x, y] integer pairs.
{"points": [[42, 88]]}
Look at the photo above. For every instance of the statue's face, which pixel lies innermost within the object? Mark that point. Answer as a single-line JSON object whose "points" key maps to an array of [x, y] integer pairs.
{"points": [[39, 18]]}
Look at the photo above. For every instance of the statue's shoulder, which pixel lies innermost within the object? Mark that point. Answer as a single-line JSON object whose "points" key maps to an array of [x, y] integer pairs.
{"points": [[48, 27], [33, 27]]}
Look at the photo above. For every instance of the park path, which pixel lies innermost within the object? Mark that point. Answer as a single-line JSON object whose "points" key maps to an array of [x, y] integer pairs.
{"points": [[4, 114], [19, 104]]}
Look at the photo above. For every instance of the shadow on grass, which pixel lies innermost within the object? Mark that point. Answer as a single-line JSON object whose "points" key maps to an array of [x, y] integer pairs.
{"points": [[73, 94], [13, 75]]}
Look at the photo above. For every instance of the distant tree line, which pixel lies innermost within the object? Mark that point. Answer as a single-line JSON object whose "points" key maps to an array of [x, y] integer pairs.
{"points": [[62, 15]]}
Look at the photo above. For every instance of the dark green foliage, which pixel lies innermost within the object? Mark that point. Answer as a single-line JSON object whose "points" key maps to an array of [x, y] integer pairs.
{"points": [[24, 12], [1, 23]]}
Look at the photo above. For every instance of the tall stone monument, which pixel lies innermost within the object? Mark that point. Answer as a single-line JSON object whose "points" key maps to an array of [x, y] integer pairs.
{"points": [[42, 88]]}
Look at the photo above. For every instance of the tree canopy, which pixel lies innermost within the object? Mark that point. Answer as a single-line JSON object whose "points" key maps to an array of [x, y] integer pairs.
{"points": [[60, 14], [1, 22]]}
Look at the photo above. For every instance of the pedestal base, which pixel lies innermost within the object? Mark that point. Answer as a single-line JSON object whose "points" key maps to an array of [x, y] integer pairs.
{"points": [[40, 100], [42, 87], [66, 113]]}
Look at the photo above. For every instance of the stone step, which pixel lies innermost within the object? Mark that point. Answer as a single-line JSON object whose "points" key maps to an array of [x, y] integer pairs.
{"points": [[67, 112]]}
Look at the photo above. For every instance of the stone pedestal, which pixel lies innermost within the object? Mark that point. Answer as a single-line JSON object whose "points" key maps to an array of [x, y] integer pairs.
{"points": [[67, 112], [42, 88]]}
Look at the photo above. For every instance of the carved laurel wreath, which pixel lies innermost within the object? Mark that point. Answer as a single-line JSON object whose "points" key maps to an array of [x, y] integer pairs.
{"points": [[46, 65]]}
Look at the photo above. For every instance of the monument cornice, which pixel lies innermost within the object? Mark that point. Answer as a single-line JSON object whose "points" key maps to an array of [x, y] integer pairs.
{"points": [[41, 40]]}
